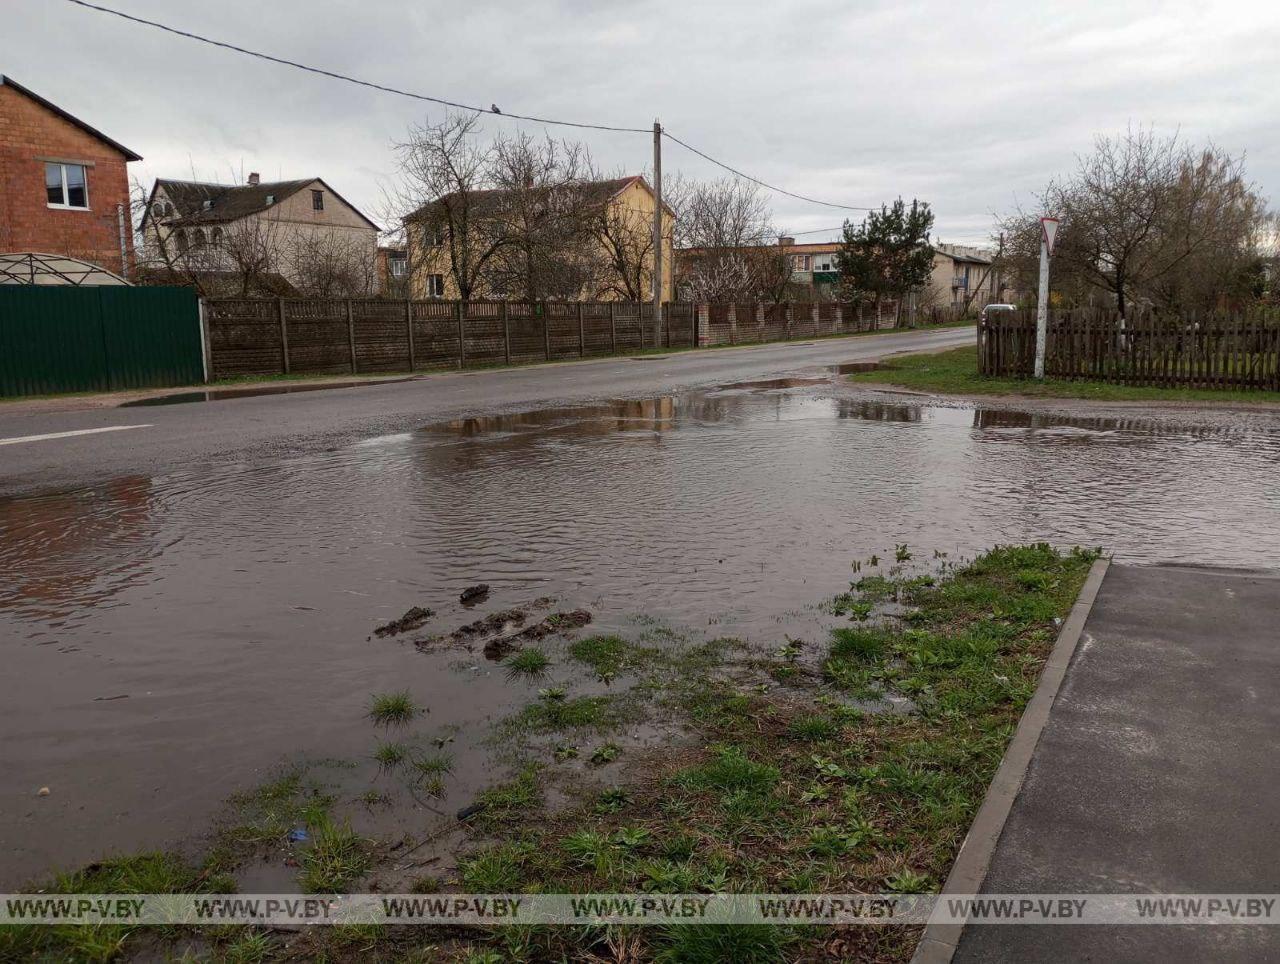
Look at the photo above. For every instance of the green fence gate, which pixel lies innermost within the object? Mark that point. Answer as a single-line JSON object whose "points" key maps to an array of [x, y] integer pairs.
{"points": [[69, 339]]}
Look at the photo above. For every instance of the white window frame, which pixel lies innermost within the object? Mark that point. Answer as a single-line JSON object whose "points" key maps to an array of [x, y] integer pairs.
{"points": [[62, 168], [399, 266], [435, 286]]}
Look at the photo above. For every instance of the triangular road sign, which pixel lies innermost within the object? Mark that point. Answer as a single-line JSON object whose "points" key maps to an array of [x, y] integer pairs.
{"points": [[1050, 228]]}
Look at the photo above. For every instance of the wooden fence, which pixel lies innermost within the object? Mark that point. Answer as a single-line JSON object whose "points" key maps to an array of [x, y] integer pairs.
{"points": [[272, 336], [1238, 352], [746, 323]]}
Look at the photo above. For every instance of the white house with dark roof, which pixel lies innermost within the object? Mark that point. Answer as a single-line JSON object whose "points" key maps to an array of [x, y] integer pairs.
{"points": [[301, 232]]}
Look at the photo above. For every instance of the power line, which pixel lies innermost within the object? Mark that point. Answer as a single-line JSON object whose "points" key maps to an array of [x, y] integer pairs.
{"points": [[351, 80], [748, 177], [797, 234], [334, 75]]}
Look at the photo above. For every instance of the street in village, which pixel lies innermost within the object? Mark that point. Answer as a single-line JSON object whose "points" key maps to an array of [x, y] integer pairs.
{"points": [[504, 486], [216, 568]]}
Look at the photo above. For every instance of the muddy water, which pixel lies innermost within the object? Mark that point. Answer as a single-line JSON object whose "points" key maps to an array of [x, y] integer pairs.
{"points": [[169, 640]]}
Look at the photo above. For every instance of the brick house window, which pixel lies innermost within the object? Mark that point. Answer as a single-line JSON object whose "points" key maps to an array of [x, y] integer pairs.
{"points": [[435, 237], [435, 286], [66, 186], [397, 265], [317, 200]]}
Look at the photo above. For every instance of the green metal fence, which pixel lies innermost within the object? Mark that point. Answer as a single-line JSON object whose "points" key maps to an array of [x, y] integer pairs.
{"points": [[69, 339]]}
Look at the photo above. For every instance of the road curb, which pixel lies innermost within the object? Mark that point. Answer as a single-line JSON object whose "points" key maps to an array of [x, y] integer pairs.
{"points": [[939, 941]]}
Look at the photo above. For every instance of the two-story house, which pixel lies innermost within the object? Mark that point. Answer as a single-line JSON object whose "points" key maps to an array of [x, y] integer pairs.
{"points": [[64, 186], [966, 276], [302, 233], [614, 247]]}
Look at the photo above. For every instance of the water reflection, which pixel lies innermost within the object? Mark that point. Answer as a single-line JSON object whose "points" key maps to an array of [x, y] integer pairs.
{"points": [[65, 551], [244, 591]]}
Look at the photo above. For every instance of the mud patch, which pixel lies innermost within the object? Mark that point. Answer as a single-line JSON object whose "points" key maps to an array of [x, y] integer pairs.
{"points": [[415, 618], [474, 594], [505, 631], [552, 625]]}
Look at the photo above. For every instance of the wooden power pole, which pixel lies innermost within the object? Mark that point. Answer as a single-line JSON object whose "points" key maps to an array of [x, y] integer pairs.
{"points": [[657, 234]]}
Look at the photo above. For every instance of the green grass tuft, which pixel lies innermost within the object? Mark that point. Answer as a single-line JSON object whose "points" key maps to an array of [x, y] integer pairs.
{"points": [[336, 859], [391, 755], [556, 713], [611, 655], [392, 709], [530, 661], [858, 643], [716, 943], [731, 771]]}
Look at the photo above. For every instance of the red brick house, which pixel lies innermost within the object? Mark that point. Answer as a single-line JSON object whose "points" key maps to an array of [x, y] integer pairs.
{"points": [[64, 186]]}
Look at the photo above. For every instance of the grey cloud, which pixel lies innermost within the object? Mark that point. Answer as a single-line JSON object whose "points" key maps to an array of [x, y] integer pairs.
{"points": [[972, 108]]}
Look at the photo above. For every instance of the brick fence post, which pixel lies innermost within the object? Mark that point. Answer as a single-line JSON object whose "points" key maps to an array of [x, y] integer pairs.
{"points": [[702, 325]]}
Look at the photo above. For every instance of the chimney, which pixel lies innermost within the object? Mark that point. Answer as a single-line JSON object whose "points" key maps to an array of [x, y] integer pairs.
{"points": [[785, 242], [253, 179]]}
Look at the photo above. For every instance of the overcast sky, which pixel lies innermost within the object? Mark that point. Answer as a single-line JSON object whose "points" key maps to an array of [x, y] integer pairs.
{"points": [[971, 107]]}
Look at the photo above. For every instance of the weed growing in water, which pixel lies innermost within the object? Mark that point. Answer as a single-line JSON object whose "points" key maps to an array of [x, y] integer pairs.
{"points": [[530, 661], [391, 755], [392, 709]]}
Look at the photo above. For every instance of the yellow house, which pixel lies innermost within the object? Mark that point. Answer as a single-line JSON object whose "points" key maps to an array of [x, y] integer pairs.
{"points": [[613, 259]]}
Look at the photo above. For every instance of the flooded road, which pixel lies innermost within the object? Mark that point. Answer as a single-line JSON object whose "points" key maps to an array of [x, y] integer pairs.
{"points": [[169, 639]]}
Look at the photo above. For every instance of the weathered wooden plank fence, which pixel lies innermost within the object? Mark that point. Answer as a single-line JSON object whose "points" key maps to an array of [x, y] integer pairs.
{"points": [[272, 336], [1215, 351]]}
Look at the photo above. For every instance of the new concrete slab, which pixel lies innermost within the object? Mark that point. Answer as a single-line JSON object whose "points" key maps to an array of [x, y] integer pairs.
{"points": [[1157, 771]]}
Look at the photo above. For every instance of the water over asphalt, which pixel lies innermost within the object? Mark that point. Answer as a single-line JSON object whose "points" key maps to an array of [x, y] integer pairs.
{"points": [[170, 637]]}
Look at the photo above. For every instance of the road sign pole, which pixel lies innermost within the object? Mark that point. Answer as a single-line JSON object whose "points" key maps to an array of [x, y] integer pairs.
{"points": [[1048, 233]]}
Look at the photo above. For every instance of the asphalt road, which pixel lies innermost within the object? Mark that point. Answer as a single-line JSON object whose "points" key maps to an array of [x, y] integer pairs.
{"points": [[167, 437], [1156, 772]]}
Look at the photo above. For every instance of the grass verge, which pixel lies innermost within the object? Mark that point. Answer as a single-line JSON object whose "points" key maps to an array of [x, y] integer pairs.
{"points": [[956, 373], [860, 774], [805, 791]]}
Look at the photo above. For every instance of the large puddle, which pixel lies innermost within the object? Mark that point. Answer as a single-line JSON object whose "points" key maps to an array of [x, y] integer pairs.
{"points": [[169, 640]]}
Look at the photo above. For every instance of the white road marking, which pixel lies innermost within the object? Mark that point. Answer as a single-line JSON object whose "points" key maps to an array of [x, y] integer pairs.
{"points": [[82, 431]]}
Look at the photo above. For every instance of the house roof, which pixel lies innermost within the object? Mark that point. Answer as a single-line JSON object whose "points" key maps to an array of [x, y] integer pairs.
{"points": [[6, 81], [231, 202], [602, 191], [963, 255]]}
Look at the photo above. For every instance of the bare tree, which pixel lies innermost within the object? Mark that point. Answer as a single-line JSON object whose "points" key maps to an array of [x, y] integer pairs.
{"points": [[1142, 216], [331, 264], [442, 194], [543, 207], [727, 241]]}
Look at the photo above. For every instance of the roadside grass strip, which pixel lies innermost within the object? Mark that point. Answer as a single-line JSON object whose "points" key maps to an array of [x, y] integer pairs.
{"points": [[848, 765]]}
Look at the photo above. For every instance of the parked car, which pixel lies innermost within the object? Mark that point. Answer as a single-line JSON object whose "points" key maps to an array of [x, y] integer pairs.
{"points": [[996, 308]]}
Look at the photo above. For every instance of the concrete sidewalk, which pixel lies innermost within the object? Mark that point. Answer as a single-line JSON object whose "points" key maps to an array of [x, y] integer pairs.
{"points": [[1157, 771]]}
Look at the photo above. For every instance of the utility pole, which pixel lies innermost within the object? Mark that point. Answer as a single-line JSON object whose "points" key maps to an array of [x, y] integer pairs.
{"points": [[657, 234], [1048, 232]]}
